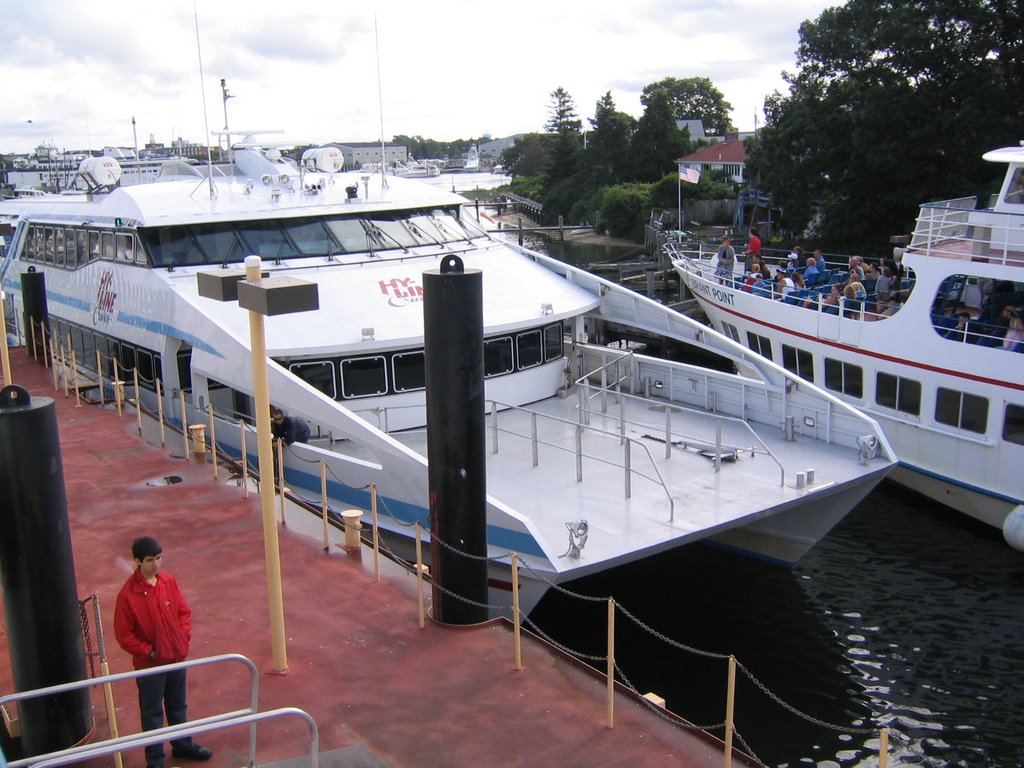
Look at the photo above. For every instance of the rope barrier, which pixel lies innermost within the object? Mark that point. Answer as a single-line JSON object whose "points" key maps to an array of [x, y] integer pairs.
{"points": [[615, 671]]}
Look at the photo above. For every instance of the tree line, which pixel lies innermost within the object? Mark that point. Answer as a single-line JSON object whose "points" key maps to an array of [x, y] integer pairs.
{"points": [[892, 103]]}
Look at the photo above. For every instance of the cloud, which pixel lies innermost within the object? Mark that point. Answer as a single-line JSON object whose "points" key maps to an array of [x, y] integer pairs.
{"points": [[448, 69]]}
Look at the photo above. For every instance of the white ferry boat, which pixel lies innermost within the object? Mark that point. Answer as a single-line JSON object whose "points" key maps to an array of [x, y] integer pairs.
{"points": [[935, 367], [597, 455]]}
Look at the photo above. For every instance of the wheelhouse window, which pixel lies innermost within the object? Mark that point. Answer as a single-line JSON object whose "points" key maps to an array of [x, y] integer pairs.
{"points": [[798, 361], [898, 393], [498, 357], [364, 376], [731, 332], [961, 410], [844, 377], [553, 339], [1013, 424], [319, 374], [529, 351], [760, 344], [409, 371]]}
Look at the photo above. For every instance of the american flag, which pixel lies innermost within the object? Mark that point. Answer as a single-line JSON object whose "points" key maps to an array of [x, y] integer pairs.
{"points": [[691, 175]]}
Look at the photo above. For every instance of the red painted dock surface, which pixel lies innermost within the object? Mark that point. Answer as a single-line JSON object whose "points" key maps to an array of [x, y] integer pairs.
{"points": [[383, 691]]}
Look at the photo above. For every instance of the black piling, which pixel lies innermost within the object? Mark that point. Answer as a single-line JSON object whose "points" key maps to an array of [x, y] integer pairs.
{"points": [[37, 571], [454, 361], [36, 314]]}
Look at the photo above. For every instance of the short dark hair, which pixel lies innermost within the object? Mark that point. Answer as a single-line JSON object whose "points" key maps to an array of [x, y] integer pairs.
{"points": [[144, 547]]}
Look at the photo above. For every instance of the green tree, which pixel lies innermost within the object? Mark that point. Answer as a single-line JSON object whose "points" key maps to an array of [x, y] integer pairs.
{"points": [[605, 155], [564, 153], [694, 98], [526, 157], [657, 142], [892, 103]]}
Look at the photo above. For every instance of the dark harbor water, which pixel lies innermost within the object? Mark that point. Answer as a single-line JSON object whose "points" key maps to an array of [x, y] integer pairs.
{"points": [[906, 615]]}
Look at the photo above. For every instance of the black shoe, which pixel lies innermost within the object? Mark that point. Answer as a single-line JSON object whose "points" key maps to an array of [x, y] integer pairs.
{"points": [[195, 752]]}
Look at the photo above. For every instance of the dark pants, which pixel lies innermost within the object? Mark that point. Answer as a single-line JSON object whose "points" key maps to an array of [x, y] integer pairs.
{"points": [[158, 694]]}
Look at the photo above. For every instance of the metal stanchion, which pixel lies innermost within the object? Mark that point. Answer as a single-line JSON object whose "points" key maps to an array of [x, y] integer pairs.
{"points": [[419, 574], [245, 460], [516, 619], [213, 440], [280, 478], [730, 706], [323, 503], [160, 413], [376, 531], [99, 376], [184, 423], [611, 663]]}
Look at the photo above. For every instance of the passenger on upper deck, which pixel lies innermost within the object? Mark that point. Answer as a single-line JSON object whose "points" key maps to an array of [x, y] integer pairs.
{"points": [[726, 261], [783, 284], [811, 268], [856, 268], [753, 250]]}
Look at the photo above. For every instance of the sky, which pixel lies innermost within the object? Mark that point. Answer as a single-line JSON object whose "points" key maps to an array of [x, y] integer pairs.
{"points": [[74, 74]]}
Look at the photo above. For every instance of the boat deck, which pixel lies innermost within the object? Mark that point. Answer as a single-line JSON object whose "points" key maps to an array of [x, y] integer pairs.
{"points": [[383, 691], [746, 487]]}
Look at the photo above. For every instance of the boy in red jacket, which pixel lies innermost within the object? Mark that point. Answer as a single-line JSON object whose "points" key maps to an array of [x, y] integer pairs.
{"points": [[153, 622]]}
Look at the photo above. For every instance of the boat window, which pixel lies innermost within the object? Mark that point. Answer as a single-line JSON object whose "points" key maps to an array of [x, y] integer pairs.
{"points": [[184, 360], [798, 361], [319, 374], [219, 243], [529, 351], [408, 370], [148, 371], [1015, 189], [59, 252], [553, 340], [50, 246], [124, 247], [391, 234], [94, 246], [961, 410], [898, 393], [844, 377], [498, 356], [1013, 424], [107, 246], [760, 344], [312, 238], [88, 356], [364, 376], [732, 332], [82, 257], [126, 359], [349, 234], [266, 239]]}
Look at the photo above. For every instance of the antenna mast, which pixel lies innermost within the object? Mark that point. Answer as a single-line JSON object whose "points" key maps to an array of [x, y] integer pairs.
{"points": [[380, 109], [206, 121]]}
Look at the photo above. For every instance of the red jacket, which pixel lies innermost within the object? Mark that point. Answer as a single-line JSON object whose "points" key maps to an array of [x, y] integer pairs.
{"points": [[152, 618]]}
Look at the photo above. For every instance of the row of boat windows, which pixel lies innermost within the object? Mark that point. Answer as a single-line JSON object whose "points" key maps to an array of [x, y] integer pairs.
{"points": [[397, 372], [231, 242], [86, 343], [74, 247], [953, 408]]}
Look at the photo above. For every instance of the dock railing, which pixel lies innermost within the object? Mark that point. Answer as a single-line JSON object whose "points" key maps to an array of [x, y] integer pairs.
{"points": [[119, 743]]}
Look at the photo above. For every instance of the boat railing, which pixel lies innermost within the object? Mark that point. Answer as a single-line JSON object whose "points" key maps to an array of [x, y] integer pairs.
{"points": [[499, 412], [956, 229], [618, 378]]}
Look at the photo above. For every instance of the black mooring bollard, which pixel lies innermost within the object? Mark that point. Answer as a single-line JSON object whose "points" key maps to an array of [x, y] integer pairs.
{"points": [[37, 571], [454, 360]]}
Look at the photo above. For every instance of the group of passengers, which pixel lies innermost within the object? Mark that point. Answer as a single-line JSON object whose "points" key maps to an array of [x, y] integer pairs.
{"points": [[799, 273]]}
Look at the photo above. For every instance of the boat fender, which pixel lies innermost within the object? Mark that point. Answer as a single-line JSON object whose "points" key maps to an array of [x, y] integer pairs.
{"points": [[1013, 528]]}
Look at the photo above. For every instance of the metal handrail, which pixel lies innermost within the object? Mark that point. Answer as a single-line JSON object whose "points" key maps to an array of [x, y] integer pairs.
{"points": [[660, 480], [159, 735], [718, 419], [137, 673]]}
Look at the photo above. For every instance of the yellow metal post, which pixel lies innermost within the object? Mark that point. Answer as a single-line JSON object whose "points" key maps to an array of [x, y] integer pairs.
{"points": [[883, 748], [271, 547], [730, 704], [5, 357], [515, 612], [323, 504], [611, 663]]}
